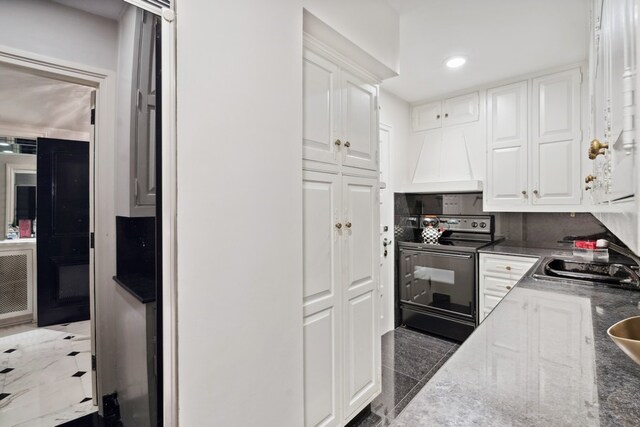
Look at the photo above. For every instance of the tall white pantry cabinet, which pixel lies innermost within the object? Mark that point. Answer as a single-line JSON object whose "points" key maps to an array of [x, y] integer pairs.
{"points": [[342, 367]]}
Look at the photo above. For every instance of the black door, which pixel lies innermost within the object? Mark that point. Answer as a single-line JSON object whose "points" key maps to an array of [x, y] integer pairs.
{"points": [[62, 231]]}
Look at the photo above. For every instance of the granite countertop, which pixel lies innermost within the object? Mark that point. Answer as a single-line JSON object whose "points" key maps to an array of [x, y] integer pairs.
{"points": [[513, 247], [541, 358], [141, 287]]}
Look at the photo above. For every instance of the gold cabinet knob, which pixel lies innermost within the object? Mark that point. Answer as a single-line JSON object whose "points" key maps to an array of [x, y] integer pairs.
{"points": [[524, 192], [587, 188], [347, 224], [338, 142], [347, 144], [596, 148], [508, 268], [535, 192], [508, 286], [338, 226], [589, 178]]}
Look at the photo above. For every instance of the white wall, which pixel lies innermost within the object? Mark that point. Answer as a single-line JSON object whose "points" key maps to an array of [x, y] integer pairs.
{"points": [[48, 29], [239, 233], [371, 24], [57, 31], [394, 112]]}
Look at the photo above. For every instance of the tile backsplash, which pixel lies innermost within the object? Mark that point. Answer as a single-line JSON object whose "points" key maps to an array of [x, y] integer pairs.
{"points": [[520, 226]]}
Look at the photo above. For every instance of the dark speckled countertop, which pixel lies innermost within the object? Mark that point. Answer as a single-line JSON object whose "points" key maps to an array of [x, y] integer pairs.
{"points": [[509, 247], [541, 358]]}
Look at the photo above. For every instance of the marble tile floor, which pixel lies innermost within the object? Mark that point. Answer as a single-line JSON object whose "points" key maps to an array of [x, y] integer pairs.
{"points": [[409, 360], [45, 375]]}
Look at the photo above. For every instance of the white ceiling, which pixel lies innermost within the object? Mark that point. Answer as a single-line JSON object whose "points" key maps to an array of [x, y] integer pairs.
{"points": [[35, 101], [111, 9], [500, 38]]}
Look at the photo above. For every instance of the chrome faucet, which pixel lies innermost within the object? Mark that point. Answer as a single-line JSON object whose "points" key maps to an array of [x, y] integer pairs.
{"points": [[604, 243]]}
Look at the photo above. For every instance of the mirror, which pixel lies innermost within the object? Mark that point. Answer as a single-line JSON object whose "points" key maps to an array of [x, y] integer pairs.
{"points": [[17, 155]]}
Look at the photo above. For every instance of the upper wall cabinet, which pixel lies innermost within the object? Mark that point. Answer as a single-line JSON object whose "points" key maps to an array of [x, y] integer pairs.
{"points": [[612, 69], [136, 110], [340, 115], [533, 143], [426, 116], [507, 133], [321, 106], [451, 111], [555, 147]]}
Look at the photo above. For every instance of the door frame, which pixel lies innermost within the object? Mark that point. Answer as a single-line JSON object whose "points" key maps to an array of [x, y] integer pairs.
{"points": [[389, 300], [101, 195]]}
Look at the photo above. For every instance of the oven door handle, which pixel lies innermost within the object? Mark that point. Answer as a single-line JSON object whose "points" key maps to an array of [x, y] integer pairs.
{"points": [[448, 255]]}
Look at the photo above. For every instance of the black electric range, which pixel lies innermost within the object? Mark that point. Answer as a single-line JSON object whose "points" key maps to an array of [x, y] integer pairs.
{"points": [[437, 283]]}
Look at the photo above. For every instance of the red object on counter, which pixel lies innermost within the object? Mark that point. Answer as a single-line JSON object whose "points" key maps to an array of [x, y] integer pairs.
{"points": [[25, 228], [585, 244]]}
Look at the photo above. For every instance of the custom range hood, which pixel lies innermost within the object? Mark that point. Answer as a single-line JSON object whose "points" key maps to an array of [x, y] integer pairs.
{"points": [[447, 163]]}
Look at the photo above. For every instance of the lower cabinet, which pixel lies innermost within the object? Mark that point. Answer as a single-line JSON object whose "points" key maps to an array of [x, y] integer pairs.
{"points": [[498, 274], [17, 283], [342, 368]]}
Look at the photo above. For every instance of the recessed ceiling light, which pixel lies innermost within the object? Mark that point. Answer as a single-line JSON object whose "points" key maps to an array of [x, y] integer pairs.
{"points": [[456, 61]]}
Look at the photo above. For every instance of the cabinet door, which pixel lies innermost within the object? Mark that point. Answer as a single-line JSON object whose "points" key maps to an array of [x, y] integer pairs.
{"points": [[321, 299], [426, 117], [360, 116], [461, 109], [556, 131], [563, 356], [360, 294], [145, 117], [320, 109], [507, 132]]}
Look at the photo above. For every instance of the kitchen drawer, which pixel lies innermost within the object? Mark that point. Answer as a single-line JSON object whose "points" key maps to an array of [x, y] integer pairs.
{"points": [[513, 267], [495, 284], [490, 300]]}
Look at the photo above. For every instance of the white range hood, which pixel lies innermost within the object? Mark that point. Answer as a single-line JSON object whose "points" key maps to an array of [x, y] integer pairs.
{"points": [[446, 164], [458, 186]]}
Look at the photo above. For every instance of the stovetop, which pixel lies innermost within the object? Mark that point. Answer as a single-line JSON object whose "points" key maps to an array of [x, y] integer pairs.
{"points": [[460, 233], [449, 245]]}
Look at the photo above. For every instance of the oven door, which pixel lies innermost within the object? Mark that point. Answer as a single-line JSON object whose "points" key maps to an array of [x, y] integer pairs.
{"points": [[442, 282]]}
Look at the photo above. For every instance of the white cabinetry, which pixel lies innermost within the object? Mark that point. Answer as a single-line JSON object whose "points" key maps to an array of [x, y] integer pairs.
{"points": [[426, 116], [449, 112], [498, 274], [507, 134], [533, 143], [17, 284], [555, 139], [341, 226], [613, 66], [340, 119], [136, 110]]}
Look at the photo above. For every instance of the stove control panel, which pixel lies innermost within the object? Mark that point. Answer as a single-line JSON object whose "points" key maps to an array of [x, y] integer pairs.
{"points": [[470, 224]]}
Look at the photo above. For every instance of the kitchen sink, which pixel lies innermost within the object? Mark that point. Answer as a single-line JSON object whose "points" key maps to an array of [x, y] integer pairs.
{"points": [[618, 275]]}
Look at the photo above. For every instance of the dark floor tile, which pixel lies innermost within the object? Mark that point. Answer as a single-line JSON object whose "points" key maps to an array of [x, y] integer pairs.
{"points": [[3, 395], [68, 337], [369, 419], [92, 420], [395, 387], [409, 359], [79, 374], [11, 350], [86, 399], [73, 353], [6, 370], [429, 342]]}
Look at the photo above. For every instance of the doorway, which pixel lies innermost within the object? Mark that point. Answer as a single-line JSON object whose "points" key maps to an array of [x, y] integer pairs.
{"points": [[46, 331]]}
